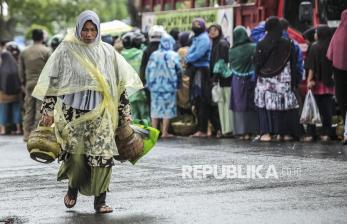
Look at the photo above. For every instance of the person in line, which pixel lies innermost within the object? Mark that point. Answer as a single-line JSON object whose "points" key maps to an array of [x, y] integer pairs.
{"points": [[10, 92], [198, 62], [84, 88], [13, 48], [154, 35], [275, 67], [241, 57], [321, 83], [132, 53], [183, 101], [220, 48], [295, 45], [337, 53], [163, 74], [174, 32], [31, 62]]}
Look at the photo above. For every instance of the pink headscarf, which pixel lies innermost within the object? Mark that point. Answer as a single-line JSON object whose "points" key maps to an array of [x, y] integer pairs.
{"points": [[337, 51]]}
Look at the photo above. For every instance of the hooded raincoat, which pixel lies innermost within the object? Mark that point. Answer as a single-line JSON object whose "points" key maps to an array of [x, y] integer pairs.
{"points": [[84, 87], [163, 74]]}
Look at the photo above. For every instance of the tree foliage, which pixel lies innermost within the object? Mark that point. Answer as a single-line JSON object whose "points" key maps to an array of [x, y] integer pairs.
{"points": [[56, 15]]}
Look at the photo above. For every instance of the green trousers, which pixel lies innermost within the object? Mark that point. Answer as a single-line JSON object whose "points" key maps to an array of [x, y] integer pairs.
{"points": [[88, 180], [225, 114]]}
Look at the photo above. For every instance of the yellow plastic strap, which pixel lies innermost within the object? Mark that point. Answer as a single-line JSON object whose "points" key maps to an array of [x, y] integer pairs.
{"points": [[107, 104]]}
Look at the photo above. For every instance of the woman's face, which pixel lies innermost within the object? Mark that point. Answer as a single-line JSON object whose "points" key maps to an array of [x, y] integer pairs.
{"points": [[89, 32], [213, 32]]}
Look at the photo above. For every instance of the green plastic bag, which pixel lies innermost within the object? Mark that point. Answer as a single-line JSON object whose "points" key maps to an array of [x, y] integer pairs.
{"points": [[150, 136]]}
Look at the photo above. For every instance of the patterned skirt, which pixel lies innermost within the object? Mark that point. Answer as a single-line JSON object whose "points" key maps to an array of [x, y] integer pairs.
{"points": [[276, 93]]}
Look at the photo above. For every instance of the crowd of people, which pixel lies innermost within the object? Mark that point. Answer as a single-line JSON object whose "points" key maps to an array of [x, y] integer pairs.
{"points": [[248, 90]]}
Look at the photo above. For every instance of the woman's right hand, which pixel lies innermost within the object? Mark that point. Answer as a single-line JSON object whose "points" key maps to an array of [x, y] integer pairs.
{"points": [[310, 84], [47, 120]]}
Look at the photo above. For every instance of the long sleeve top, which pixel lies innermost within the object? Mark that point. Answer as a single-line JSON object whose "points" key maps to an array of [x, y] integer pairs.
{"points": [[200, 52]]}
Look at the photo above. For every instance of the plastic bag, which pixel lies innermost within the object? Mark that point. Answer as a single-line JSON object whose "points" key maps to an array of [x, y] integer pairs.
{"points": [[221, 68], [217, 94], [310, 113], [149, 135]]}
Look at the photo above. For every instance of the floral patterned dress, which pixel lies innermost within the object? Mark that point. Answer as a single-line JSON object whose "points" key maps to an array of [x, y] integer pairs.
{"points": [[70, 114]]}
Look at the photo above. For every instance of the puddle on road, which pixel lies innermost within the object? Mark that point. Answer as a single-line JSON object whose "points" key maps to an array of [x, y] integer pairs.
{"points": [[12, 220]]}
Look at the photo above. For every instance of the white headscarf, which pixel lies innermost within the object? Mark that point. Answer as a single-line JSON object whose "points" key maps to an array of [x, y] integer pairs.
{"points": [[83, 18]]}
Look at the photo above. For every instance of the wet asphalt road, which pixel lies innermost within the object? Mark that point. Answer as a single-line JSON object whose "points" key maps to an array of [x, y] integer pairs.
{"points": [[311, 186]]}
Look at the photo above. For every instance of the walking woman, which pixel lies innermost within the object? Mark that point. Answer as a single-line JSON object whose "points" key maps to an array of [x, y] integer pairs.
{"points": [[337, 53], [320, 81], [241, 57], [83, 90], [275, 67], [163, 74]]}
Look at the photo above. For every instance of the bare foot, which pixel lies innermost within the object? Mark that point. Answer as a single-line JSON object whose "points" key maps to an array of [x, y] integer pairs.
{"points": [[219, 134], [265, 138], [288, 138], [167, 135], [247, 137], [199, 134]]}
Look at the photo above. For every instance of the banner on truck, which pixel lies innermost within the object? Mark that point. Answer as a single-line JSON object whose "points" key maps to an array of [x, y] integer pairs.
{"points": [[182, 19]]}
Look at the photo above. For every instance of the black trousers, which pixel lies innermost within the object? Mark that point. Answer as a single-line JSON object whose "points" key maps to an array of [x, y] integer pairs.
{"points": [[200, 95], [325, 105], [340, 77], [207, 112]]}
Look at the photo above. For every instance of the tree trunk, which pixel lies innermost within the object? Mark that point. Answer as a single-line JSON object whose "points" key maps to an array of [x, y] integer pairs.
{"points": [[6, 27], [133, 9]]}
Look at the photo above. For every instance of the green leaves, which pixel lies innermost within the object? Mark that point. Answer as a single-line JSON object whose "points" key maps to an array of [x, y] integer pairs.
{"points": [[58, 15]]}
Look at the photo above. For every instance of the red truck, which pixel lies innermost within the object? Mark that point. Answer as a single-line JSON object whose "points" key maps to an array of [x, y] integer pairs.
{"points": [[301, 14]]}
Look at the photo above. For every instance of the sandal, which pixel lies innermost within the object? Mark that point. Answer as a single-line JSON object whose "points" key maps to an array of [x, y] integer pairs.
{"points": [[100, 205], [70, 198], [103, 208]]}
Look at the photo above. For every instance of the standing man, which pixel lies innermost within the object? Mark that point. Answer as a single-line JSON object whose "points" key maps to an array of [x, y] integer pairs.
{"points": [[31, 62]]}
